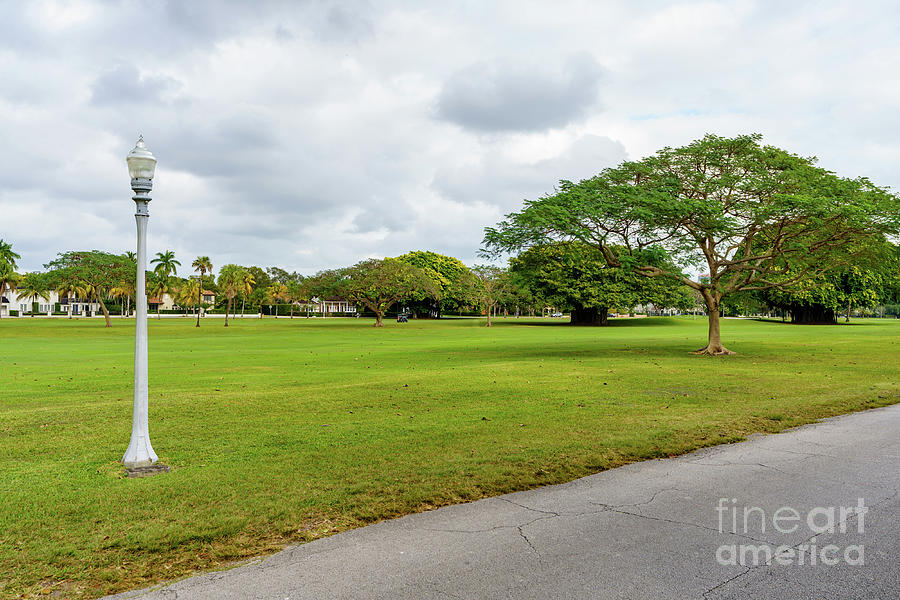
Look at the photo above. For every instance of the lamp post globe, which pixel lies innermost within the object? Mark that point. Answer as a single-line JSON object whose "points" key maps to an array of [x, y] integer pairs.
{"points": [[141, 167]]}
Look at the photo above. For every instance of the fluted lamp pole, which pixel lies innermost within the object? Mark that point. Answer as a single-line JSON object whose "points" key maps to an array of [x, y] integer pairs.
{"points": [[140, 459]]}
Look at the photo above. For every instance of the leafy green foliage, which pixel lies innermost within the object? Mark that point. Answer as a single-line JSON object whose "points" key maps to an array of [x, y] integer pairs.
{"points": [[35, 285], [8, 258], [94, 272], [753, 217], [488, 287], [232, 279], [575, 275], [451, 279], [379, 284], [820, 298], [9, 279], [166, 264]]}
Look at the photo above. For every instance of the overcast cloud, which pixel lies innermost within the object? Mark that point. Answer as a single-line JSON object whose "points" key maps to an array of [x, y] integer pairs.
{"points": [[313, 135]]}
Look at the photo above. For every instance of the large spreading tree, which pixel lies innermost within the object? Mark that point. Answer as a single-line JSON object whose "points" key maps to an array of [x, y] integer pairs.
{"points": [[577, 276], [379, 284], [94, 273], [746, 215], [873, 280]]}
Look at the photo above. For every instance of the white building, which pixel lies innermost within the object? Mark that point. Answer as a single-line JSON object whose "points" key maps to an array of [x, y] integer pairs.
{"points": [[328, 306], [10, 302]]}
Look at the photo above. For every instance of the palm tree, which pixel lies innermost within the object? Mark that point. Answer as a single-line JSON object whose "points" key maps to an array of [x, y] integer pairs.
{"points": [[166, 264], [189, 295], [124, 292], [246, 287], [95, 293], [34, 285], [229, 282], [274, 293], [204, 265], [7, 256], [9, 279], [157, 285], [71, 290]]}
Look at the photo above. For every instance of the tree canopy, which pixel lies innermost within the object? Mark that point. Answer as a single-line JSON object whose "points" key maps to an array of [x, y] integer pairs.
{"points": [[7, 256], [872, 280], [94, 272], [577, 276], [753, 217], [379, 284], [451, 280], [489, 284]]}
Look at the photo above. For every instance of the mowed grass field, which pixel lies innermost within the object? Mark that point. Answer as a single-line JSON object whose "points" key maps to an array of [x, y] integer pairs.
{"points": [[291, 429]]}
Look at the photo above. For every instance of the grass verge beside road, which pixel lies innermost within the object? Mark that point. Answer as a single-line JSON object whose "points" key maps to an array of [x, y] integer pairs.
{"points": [[290, 429]]}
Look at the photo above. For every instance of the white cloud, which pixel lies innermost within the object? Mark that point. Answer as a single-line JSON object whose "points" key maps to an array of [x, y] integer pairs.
{"points": [[312, 135]]}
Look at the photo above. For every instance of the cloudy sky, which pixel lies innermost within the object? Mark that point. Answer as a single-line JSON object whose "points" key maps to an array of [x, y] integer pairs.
{"points": [[310, 135]]}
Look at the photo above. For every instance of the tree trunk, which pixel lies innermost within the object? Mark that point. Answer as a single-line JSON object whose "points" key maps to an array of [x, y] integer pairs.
{"points": [[199, 297], [105, 313], [292, 310], [589, 315], [847, 319], [242, 308], [488, 311], [378, 319], [714, 345], [228, 310], [812, 314]]}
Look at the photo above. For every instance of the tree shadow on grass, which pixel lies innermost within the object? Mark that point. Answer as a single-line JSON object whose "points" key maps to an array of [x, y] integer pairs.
{"points": [[780, 322], [612, 324], [634, 352]]}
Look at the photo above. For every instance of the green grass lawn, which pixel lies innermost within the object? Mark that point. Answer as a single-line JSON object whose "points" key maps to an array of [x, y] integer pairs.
{"points": [[287, 430]]}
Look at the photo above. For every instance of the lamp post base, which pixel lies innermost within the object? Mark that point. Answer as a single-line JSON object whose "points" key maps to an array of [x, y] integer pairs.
{"points": [[146, 471], [140, 453]]}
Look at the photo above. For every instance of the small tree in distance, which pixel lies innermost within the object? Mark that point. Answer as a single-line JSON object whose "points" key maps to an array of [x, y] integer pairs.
{"points": [[379, 284], [488, 286], [204, 265], [34, 285], [230, 281]]}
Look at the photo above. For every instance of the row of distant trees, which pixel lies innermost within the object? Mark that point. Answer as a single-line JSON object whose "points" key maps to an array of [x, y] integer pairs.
{"points": [[769, 228], [567, 275]]}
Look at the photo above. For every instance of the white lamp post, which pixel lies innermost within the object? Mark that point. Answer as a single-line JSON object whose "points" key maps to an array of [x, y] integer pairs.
{"points": [[141, 166]]}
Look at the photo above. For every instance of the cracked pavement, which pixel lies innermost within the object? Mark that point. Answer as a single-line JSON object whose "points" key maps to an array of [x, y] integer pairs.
{"points": [[646, 530]]}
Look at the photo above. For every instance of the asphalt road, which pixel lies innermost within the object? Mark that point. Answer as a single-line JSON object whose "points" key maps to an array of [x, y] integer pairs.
{"points": [[660, 529]]}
